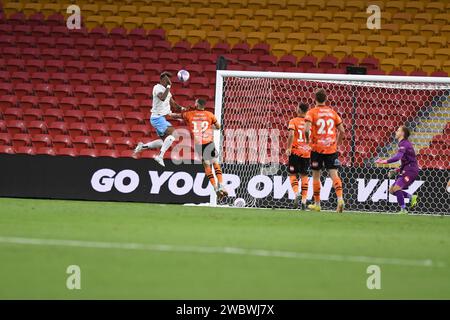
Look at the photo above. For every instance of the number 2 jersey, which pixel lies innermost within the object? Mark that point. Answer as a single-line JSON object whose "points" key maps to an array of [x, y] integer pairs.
{"points": [[324, 121], [200, 124], [299, 145]]}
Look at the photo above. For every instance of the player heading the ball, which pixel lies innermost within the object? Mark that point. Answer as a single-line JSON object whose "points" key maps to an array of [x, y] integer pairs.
{"points": [[324, 131], [162, 103], [409, 168]]}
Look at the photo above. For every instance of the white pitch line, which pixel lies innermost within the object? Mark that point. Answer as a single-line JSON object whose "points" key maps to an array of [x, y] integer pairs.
{"points": [[219, 250]]}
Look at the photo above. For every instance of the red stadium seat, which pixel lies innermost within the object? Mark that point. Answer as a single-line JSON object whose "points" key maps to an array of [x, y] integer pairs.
{"points": [[28, 102], [31, 114], [60, 90], [109, 56], [102, 92], [68, 103], [12, 114], [108, 104], [124, 143], [98, 129], [52, 114], [82, 91], [67, 152], [92, 67], [6, 89], [128, 105], [25, 150], [118, 130], [82, 142], [88, 152], [8, 101], [37, 127], [61, 141], [43, 89], [73, 116], [86, 55], [41, 140], [15, 126], [139, 131], [57, 128], [88, 104], [74, 66], [113, 117], [78, 78], [93, 116], [21, 139], [99, 79], [201, 47], [149, 57], [58, 78], [123, 93], [84, 43], [133, 68], [138, 80], [50, 151], [117, 80], [77, 129], [34, 65], [103, 142], [128, 56], [109, 153], [5, 139], [133, 118], [181, 47], [141, 93]]}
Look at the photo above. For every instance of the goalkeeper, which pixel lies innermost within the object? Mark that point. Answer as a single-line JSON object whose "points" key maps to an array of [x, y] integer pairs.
{"points": [[409, 169]]}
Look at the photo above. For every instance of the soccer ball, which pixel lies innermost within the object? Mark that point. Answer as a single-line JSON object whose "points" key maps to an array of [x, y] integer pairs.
{"points": [[239, 202], [183, 75]]}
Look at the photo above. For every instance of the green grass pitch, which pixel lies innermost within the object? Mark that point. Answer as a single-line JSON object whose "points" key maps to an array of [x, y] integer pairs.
{"points": [[148, 251]]}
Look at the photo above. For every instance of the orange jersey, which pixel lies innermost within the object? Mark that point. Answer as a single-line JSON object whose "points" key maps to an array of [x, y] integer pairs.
{"points": [[299, 145], [324, 121], [200, 123]]}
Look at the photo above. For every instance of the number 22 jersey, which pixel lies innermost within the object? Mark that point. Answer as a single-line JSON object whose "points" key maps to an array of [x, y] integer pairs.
{"points": [[324, 121]]}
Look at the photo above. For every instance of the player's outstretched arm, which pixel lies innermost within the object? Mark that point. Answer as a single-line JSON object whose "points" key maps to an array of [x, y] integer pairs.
{"points": [[395, 158], [175, 105]]}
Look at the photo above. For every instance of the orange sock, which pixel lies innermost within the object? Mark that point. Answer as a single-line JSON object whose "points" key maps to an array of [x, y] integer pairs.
{"points": [[304, 188], [316, 188], [294, 183], [218, 171], [337, 184], [210, 176]]}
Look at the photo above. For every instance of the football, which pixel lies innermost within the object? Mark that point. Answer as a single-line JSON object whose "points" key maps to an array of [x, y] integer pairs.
{"points": [[183, 75], [239, 202]]}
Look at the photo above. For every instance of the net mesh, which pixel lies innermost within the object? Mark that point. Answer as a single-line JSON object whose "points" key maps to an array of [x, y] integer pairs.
{"points": [[255, 114]]}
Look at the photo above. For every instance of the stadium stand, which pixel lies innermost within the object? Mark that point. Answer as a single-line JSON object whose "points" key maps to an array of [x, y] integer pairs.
{"points": [[96, 82]]}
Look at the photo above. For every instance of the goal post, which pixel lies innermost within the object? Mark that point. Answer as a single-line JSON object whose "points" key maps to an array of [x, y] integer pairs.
{"points": [[254, 109]]}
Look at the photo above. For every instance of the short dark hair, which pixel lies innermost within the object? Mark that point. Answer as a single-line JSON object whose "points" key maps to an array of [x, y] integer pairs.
{"points": [[406, 132], [165, 74], [321, 96], [201, 102], [303, 107]]}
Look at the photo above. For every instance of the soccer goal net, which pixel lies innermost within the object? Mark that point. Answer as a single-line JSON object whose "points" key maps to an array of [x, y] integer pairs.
{"points": [[254, 109]]}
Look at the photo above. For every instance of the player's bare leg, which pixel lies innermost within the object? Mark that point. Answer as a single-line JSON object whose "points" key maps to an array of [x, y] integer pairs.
{"points": [[168, 140], [316, 188], [337, 184]]}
